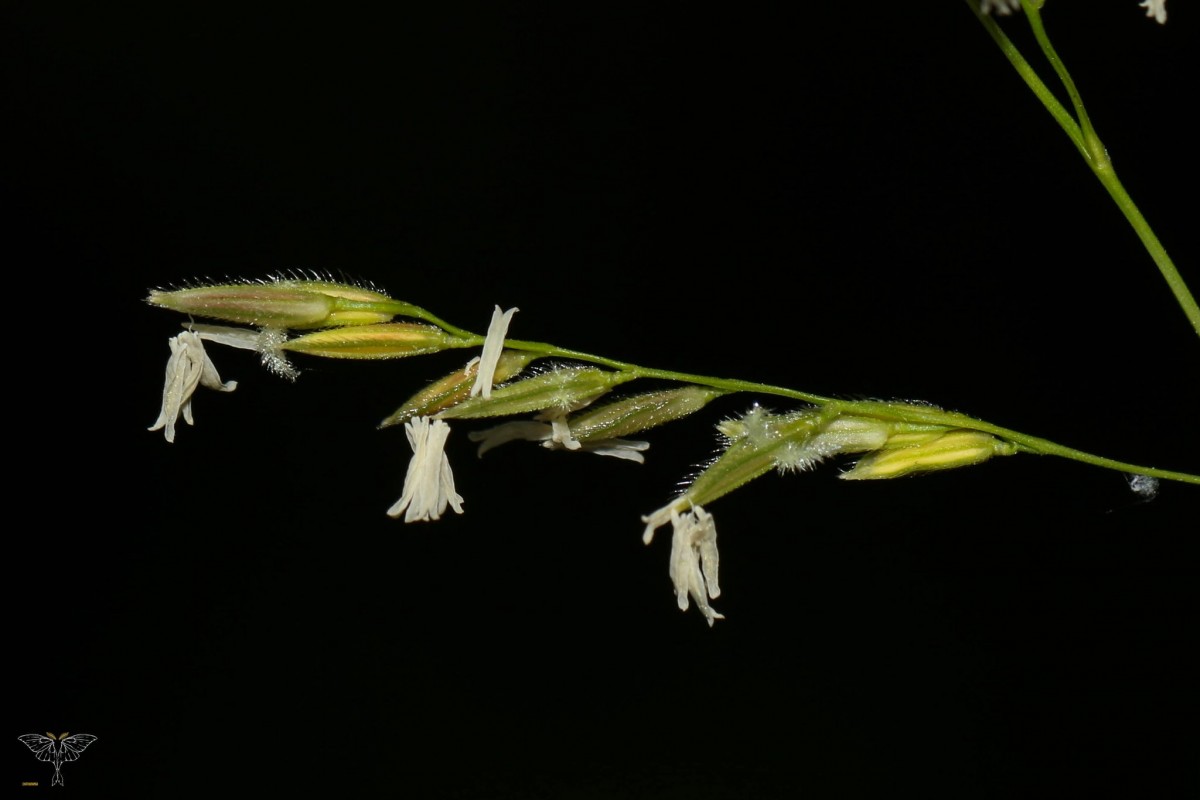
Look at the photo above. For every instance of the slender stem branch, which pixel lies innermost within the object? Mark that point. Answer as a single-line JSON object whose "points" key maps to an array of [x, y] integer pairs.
{"points": [[1088, 143], [727, 384], [1093, 149], [1032, 80], [1083, 136], [904, 412]]}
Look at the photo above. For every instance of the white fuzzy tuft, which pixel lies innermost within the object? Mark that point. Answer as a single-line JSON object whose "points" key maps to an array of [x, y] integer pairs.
{"points": [[1144, 486]]}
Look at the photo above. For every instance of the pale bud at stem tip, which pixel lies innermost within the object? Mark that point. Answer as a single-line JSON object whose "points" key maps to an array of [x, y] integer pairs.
{"points": [[1155, 9]]}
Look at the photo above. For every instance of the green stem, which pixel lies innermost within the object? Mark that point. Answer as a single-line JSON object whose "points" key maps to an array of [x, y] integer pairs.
{"points": [[1093, 149], [904, 412], [726, 384], [1030, 444], [1032, 80], [1183, 295], [1083, 136], [1088, 143]]}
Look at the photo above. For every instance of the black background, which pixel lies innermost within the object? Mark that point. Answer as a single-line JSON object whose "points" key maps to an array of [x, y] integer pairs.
{"points": [[854, 201]]}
